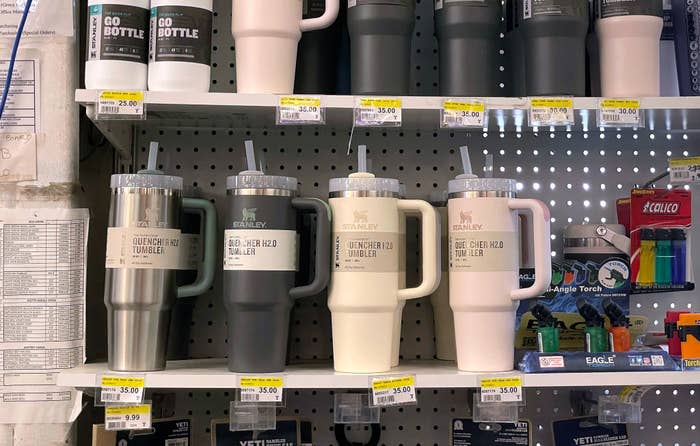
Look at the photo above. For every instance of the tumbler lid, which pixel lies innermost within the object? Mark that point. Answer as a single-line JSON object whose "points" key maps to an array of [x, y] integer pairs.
{"points": [[146, 178], [474, 184], [254, 179], [364, 181], [407, 3]]}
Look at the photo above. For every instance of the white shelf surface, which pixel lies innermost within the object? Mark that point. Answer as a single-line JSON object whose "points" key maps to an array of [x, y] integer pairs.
{"points": [[213, 374]]}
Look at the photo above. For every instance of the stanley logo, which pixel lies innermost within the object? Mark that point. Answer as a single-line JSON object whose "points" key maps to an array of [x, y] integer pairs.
{"points": [[249, 220], [360, 222], [466, 223]]}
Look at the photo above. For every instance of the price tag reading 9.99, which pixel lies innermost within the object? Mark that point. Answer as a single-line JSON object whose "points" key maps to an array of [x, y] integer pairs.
{"points": [[261, 389], [119, 418]]}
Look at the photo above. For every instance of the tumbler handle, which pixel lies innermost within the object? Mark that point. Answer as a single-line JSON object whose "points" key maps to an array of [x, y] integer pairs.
{"points": [[542, 245], [205, 270], [429, 249], [326, 20], [323, 254]]}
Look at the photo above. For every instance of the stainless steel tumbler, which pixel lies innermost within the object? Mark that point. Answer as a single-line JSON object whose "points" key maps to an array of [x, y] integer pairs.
{"points": [[143, 252]]}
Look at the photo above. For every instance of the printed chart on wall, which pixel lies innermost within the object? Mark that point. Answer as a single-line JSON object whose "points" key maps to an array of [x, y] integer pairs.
{"points": [[22, 112], [42, 311]]}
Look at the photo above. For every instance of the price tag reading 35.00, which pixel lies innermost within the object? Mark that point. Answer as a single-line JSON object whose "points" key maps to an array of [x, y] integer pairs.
{"points": [[394, 391], [300, 110], [551, 112], [121, 389], [378, 112], [508, 389], [121, 104], [121, 418], [261, 389], [457, 114], [619, 113]]}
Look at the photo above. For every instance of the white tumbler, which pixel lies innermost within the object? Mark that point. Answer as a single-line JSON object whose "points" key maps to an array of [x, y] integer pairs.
{"points": [[629, 36], [364, 292], [266, 34], [484, 268]]}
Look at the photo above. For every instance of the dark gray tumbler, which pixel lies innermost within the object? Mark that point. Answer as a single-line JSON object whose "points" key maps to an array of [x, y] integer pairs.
{"points": [[554, 40], [260, 264], [380, 46], [468, 38]]}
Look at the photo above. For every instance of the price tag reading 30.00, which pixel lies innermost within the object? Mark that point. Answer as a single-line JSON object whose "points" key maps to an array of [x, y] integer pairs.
{"points": [[121, 389], [551, 112], [394, 391], [121, 104], [501, 390], [378, 112], [120, 418], [457, 114], [619, 113], [261, 389], [300, 110]]}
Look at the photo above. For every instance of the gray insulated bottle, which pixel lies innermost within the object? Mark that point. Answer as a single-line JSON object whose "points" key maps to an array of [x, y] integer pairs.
{"points": [[468, 38], [380, 46], [260, 264], [554, 39]]}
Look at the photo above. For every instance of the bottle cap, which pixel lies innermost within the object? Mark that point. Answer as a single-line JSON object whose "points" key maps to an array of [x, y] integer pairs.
{"points": [[254, 179], [663, 234], [481, 185], [647, 234], [678, 234], [150, 177], [364, 181]]}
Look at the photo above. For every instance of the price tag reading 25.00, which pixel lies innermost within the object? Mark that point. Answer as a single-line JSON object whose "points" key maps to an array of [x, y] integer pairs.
{"points": [[300, 110], [378, 112], [394, 391], [121, 389], [508, 389], [120, 105], [261, 389], [546, 112], [456, 113]]}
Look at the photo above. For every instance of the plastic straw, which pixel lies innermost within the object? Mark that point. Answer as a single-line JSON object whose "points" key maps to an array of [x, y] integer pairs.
{"points": [[466, 162], [153, 155], [250, 155], [362, 158], [488, 167]]}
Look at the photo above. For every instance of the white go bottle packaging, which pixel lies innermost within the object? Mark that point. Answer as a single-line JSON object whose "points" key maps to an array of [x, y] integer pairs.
{"points": [[364, 292], [485, 253], [266, 34], [117, 45], [179, 51]]}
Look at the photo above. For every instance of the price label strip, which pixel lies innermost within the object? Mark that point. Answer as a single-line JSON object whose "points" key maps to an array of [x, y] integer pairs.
{"points": [[378, 112], [685, 170], [261, 389], [120, 418], [619, 113], [121, 389], [121, 105], [300, 110], [456, 114], [546, 112], [502, 390], [394, 391]]}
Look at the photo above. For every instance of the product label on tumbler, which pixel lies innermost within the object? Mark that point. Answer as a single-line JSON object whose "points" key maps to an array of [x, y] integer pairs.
{"points": [[374, 252], [484, 251], [144, 248], [180, 34], [260, 250], [117, 32], [615, 8], [533, 8]]}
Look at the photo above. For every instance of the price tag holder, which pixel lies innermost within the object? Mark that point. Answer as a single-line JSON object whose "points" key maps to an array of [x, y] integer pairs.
{"points": [[685, 170], [464, 113], [121, 418], [393, 391], [378, 112], [507, 389], [300, 110], [545, 112], [261, 389], [117, 389], [126, 105], [620, 113]]}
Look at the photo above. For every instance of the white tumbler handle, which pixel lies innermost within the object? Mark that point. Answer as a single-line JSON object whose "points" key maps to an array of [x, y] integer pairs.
{"points": [[542, 245], [326, 20], [429, 249]]}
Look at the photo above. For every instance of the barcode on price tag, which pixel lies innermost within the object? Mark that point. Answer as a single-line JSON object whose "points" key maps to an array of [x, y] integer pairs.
{"points": [[501, 390], [619, 113], [120, 105], [457, 114], [261, 389], [394, 391], [136, 417], [378, 112], [121, 389], [685, 170], [300, 110], [551, 112]]}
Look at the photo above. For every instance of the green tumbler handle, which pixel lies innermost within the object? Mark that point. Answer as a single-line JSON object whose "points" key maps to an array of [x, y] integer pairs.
{"points": [[205, 270]]}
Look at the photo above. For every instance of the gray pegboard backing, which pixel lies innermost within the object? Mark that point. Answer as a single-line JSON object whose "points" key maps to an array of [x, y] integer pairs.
{"points": [[669, 416], [579, 175]]}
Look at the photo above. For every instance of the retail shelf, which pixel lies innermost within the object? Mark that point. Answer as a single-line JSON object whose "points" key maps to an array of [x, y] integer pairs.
{"points": [[212, 374], [419, 112]]}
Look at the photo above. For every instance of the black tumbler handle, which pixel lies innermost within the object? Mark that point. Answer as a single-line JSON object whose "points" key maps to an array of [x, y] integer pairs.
{"points": [[323, 250]]}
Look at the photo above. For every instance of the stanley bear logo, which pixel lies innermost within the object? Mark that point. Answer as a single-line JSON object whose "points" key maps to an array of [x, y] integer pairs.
{"points": [[360, 216], [249, 214], [466, 222], [249, 220], [465, 217]]}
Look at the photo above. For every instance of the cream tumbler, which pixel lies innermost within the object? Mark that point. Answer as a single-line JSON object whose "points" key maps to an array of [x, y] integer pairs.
{"points": [[443, 318]]}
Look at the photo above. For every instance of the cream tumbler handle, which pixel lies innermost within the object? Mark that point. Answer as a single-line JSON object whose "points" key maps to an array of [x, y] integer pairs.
{"points": [[429, 249], [542, 245], [326, 20]]}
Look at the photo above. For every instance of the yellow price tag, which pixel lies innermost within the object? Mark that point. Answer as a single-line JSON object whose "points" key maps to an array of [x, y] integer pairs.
{"points": [[618, 112], [127, 104], [394, 391], [136, 417], [620, 103], [378, 112], [121, 389], [501, 389], [299, 110], [121, 95], [456, 114], [551, 111], [391, 383], [552, 103], [123, 410], [295, 101], [685, 170], [464, 106], [114, 381], [380, 102], [261, 388]]}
